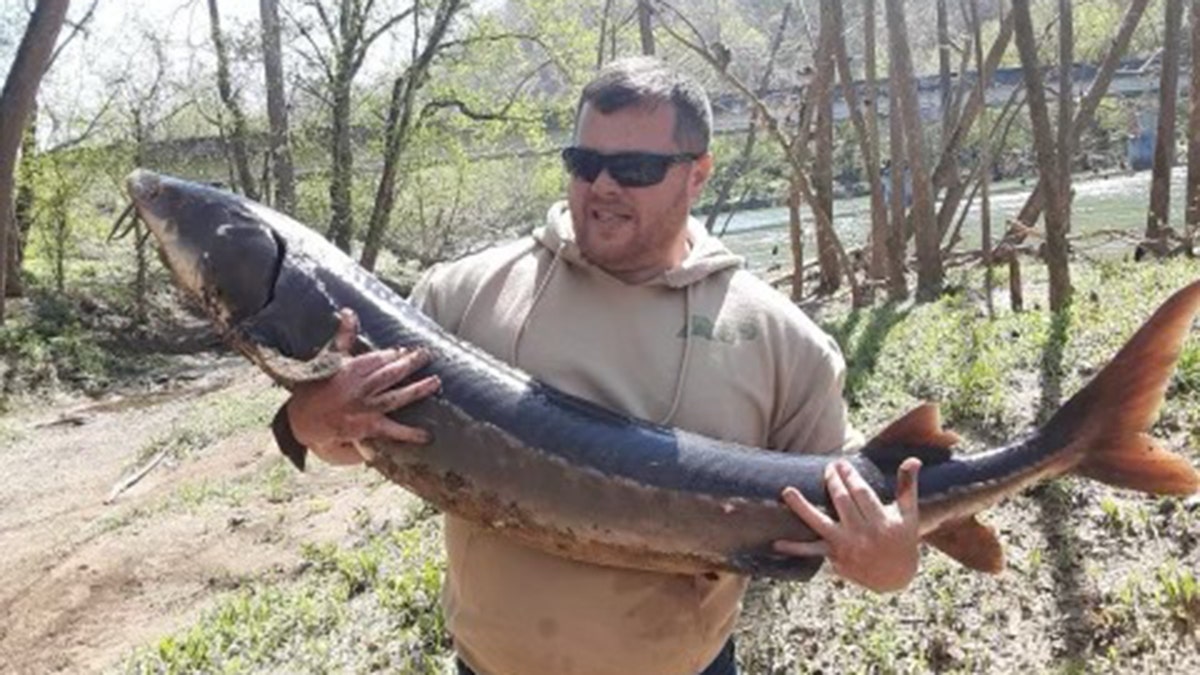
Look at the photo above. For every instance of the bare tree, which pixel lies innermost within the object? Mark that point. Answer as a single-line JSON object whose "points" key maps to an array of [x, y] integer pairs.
{"points": [[1047, 158], [724, 181], [1090, 101], [1159, 214], [794, 147], [1066, 96], [350, 31], [985, 161], [1192, 208], [645, 26], [822, 169], [229, 98], [868, 136], [897, 190], [400, 120], [605, 20], [945, 82], [929, 260], [17, 101], [280, 142], [880, 256]]}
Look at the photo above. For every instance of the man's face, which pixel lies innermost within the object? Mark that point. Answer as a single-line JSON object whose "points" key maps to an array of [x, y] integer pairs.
{"points": [[634, 233]]}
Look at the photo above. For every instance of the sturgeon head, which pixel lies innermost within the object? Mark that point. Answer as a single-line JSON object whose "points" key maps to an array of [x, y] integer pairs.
{"points": [[234, 257]]}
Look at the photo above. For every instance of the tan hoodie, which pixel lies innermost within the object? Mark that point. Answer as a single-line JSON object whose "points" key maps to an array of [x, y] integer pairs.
{"points": [[706, 347]]}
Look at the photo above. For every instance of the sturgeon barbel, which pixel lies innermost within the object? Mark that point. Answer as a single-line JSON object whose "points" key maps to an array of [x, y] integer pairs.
{"points": [[567, 476]]}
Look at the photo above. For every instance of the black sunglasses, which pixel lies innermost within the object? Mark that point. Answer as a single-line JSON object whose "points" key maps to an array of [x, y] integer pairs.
{"points": [[629, 169]]}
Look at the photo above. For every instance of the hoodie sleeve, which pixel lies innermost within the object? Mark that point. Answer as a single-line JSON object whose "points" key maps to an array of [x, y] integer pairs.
{"points": [[810, 414]]}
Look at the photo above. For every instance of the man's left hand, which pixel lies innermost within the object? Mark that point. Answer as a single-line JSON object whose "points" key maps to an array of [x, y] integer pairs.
{"points": [[873, 545]]}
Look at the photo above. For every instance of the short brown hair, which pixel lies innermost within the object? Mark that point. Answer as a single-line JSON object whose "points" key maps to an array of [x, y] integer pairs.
{"points": [[647, 81]]}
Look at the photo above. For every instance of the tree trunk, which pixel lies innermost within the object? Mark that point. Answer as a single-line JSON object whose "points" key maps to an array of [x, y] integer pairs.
{"points": [[868, 145], [945, 86], [742, 163], [399, 127], [944, 172], [1159, 215], [897, 234], [879, 221], [1091, 100], [984, 163], [341, 224], [1192, 208], [281, 147], [22, 210], [796, 236], [646, 27], [605, 18], [822, 171], [237, 135], [17, 101], [929, 260], [1066, 88], [1047, 158]]}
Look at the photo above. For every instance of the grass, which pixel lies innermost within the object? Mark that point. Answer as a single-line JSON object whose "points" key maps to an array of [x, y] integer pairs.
{"points": [[214, 417], [1097, 580], [368, 606]]}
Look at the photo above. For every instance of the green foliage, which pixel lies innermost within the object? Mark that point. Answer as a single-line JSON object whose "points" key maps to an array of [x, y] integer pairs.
{"points": [[945, 352], [1179, 593], [373, 605]]}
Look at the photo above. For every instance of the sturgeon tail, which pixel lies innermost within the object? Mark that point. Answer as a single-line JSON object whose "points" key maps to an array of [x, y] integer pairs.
{"points": [[1102, 432], [1105, 426]]}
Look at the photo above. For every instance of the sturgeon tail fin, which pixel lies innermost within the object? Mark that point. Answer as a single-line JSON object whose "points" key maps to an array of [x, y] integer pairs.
{"points": [[1104, 426]]}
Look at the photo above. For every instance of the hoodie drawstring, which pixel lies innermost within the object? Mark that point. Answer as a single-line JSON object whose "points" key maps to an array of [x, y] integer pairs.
{"points": [[687, 355], [537, 295]]}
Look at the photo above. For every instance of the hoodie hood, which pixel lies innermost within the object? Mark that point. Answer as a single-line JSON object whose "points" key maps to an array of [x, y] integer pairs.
{"points": [[706, 254]]}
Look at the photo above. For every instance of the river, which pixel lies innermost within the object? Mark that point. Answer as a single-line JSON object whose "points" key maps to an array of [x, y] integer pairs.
{"points": [[1110, 201]]}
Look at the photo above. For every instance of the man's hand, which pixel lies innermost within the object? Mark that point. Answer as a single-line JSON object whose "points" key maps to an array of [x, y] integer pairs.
{"points": [[873, 545], [331, 415]]}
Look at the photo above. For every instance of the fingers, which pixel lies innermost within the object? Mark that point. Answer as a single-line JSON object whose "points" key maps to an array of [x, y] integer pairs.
{"points": [[804, 549], [398, 398], [405, 363], [390, 429], [347, 330], [907, 488], [839, 495], [864, 498], [820, 523]]}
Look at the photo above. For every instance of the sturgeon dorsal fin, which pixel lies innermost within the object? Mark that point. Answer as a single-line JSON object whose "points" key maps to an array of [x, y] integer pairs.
{"points": [[918, 434], [969, 542]]}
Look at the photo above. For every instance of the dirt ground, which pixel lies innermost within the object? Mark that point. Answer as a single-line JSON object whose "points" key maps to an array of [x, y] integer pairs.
{"points": [[85, 581]]}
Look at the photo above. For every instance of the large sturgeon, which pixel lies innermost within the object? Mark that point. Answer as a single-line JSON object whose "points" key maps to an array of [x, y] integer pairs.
{"points": [[570, 477]]}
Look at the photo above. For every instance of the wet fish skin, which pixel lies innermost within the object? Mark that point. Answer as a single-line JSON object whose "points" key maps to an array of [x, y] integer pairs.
{"points": [[570, 477]]}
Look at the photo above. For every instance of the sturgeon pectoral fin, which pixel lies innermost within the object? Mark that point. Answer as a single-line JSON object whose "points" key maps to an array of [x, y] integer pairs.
{"points": [[289, 372], [969, 542]]}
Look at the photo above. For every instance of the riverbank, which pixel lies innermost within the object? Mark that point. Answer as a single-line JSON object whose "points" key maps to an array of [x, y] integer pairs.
{"points": [[223, 558]]}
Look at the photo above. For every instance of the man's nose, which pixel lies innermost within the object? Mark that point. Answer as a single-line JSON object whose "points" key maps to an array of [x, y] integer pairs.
{"points": [[604, 183]]}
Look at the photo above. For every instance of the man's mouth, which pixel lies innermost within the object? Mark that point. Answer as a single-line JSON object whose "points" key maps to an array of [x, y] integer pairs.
{"points": [[609, 216]]}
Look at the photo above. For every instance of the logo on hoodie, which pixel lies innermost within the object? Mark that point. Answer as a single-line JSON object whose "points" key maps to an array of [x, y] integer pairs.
{"points": [[727, 332]]}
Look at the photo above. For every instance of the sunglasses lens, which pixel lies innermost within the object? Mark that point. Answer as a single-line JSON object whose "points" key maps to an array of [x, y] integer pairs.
{"points": [[638, 170], [583, 164], [628, 169]]}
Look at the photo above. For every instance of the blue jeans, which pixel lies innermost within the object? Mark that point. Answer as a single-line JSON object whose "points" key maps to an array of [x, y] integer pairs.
{"points": [[724, 664]]}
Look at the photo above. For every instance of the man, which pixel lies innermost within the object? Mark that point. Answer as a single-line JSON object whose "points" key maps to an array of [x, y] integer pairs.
{"points": [[624, 300]]}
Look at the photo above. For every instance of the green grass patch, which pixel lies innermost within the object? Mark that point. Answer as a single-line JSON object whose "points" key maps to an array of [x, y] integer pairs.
{"points": [[213, 418], [373, 606]]}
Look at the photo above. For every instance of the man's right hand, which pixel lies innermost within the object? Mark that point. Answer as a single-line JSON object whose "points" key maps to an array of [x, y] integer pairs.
{"points": [[332, 415]]}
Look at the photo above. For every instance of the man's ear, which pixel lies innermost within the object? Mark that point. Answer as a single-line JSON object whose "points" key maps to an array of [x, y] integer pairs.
{"points": [[701, 171]]}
